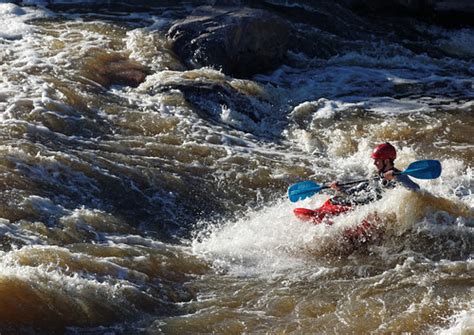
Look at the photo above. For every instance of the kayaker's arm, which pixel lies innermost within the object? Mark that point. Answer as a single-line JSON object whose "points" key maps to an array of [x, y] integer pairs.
{"points": [[404, 180], [407, 182]]}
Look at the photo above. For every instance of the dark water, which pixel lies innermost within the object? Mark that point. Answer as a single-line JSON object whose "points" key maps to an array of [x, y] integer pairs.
{"points": [[129, 210]]}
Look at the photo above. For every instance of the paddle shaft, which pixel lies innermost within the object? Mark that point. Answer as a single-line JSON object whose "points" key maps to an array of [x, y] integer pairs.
{"points": [[350, 182], [361, 180]]}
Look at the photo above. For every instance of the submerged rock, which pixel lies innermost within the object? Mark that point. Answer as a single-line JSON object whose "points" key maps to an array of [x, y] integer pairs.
{"points": [[211, 100], [239, 41], [114, 69]]}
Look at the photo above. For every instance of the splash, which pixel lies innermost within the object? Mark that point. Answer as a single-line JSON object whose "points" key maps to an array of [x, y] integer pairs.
{"points": [[461, 323], [272, 240]]}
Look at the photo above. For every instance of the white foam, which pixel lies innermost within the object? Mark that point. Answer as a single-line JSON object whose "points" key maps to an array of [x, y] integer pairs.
{"points": [[392, 107], [13, 20], [13, 230], [259, 244], [321, 109], [462, 323], [386, 80]]}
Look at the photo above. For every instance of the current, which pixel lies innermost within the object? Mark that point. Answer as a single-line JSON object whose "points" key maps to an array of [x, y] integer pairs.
{"points": [[135, 210]]}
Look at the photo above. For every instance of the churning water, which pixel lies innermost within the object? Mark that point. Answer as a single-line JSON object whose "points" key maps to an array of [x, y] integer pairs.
{"points": [[134, 211]]}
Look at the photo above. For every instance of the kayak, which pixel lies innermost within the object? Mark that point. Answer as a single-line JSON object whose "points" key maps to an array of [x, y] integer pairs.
{"points": [[328, 210], [317, 216]]}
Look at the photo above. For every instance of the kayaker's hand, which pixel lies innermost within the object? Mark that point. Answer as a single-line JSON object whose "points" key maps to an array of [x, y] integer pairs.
{"points": [[389, 175], [335, 186]]}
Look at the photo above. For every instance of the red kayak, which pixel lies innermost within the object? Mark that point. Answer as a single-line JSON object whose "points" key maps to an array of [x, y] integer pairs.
{"points": [[317, 215], [328, 210]]}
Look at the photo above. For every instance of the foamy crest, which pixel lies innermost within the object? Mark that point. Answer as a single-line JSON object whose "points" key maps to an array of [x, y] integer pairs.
{"points": [[261, 243], [53, 296], [18, 235], [13, 20]]}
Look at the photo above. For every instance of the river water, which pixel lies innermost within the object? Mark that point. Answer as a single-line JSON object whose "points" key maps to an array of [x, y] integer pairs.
{"points": [[131, 211]]}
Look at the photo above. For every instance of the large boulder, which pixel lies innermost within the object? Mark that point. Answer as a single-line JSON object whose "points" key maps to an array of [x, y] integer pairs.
{"points": [[240, 41]]}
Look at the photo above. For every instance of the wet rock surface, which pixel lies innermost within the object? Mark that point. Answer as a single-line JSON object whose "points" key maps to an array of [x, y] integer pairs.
{"points": [[243, 38], [115, 69], [240, 41]]}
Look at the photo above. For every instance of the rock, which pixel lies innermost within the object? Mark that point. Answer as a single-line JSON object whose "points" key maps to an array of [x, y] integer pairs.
{"points": [[240, 41], [454, 5], [225, 2], [125, 73], [388, 6], [324, 29], [114, 69], [208, 98], [454, 13], [451, 13]]}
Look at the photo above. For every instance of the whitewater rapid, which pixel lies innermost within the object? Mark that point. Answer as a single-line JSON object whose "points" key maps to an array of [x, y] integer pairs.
{"points": [[156, 209]]}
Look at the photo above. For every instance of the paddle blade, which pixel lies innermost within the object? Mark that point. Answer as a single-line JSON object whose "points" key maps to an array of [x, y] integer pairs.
{"points": [[303, 190], [424, 169]]}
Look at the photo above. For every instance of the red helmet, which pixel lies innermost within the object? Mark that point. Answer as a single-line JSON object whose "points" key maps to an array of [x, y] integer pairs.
{"points": [[384, 151]]}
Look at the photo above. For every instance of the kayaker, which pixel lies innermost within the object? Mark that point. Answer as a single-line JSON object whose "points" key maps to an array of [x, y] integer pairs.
{"points": [[384, 156]]}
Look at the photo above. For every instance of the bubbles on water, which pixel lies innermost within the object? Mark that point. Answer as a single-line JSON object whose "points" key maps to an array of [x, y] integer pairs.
{"points": [[153, 49], [460, 323], [137, 157]]}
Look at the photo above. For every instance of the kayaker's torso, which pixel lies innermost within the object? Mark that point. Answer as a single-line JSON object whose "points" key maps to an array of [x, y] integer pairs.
{"points": [[372, 190]]}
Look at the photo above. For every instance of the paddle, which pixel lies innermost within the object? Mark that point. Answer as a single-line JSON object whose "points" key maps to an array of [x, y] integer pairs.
{"points": [[424, 169]]}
